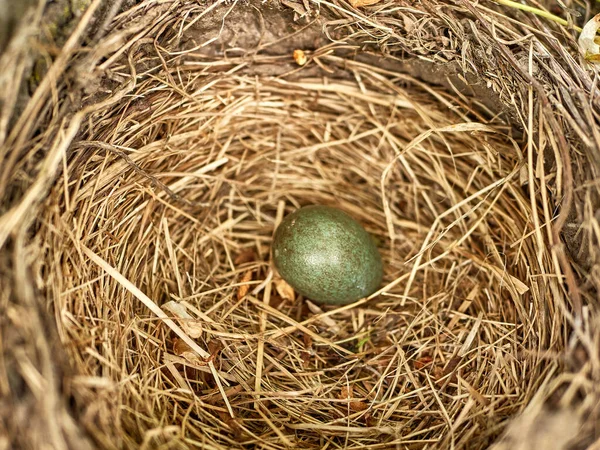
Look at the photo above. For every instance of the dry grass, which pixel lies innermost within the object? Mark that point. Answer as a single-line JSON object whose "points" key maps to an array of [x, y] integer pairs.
{"points": [[181, 198], [153, 244]]}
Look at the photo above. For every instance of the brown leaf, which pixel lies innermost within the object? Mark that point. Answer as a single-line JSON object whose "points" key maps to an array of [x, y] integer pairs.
{"points": [[298, 9], [358, 406], [180, 348], [215, 396], [276, 301], [284, 290], [214, 348], [246, 256], [346, 393], [305, 359], [141, 105], [451, 365], [307, 340], [422, 362], [409, 24], [437, 373], [244, 288], [475, 393], [233, 424], [304, 312], [383, 357], [449, 369]]}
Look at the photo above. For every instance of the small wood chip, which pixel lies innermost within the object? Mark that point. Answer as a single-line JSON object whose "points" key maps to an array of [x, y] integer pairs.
{"points": [[300, 57]]}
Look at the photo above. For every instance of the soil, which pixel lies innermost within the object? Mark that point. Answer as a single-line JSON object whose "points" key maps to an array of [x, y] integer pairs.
{"points": [[277, 30]]}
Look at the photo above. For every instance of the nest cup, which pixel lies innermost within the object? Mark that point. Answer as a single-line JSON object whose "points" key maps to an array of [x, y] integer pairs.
{"points": [[203, 126]]}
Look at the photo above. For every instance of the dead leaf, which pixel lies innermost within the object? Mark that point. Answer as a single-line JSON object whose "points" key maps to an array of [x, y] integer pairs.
{"points": [[587, 40], [214, 348], [326, 320], [298, 9], [422, 362], [346, 393], [437, 373], [450, 368], [276, 300], [215, 396], [370, 421], [307, 340], [474, 393], [244, 288], [409, 24], [284, 289], [358, 406], [305, 356], [452, 364], [361, 3], [180, 348], [246, 256], [383, 357], [191, 325], [232, 423]]}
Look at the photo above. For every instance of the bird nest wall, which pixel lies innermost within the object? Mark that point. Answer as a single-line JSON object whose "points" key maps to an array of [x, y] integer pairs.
{"points": [[160, 145]]}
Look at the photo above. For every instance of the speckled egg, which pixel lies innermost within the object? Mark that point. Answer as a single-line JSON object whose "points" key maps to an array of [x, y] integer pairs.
{"points": [[327, 256]]}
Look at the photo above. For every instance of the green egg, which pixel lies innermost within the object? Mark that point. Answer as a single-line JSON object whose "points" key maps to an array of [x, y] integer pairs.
{"points": [[327, 256]]}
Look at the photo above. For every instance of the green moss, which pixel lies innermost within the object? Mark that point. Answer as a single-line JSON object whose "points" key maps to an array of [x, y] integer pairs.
{"points": [[80, 5], [53, 29]]}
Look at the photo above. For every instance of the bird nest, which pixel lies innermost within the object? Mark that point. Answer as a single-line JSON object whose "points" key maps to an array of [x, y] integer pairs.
{"points": [[149, 171]]}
